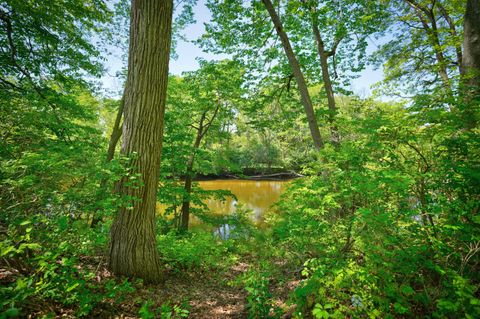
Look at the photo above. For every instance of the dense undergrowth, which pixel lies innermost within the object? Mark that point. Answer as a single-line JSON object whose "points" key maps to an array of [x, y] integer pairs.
{"points": [[383, 226], [56, 266], [385, 222]]}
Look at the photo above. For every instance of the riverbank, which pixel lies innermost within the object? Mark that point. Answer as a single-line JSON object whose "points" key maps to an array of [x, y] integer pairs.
{"points": [[204, 278], [253, 174]]}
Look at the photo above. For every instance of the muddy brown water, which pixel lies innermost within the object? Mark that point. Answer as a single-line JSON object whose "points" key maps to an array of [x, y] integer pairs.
{"points": [[257, 196]]}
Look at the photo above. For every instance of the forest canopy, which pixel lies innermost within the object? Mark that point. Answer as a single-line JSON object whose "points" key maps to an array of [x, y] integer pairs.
{"points": [[258, 183]]}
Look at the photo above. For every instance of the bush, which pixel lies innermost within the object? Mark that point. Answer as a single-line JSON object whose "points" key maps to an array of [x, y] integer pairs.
{"points": [[260, 303], [50, 271], [198, 250]]}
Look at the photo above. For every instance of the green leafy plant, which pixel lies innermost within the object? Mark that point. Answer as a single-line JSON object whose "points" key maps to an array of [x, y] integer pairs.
{"points": [[260, 303], [165, 311]]}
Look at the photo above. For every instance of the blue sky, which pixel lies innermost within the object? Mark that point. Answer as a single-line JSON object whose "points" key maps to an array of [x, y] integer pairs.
{"points": [[188, 52]]}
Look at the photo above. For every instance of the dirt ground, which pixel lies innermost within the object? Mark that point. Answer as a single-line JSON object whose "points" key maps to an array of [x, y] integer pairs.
{"points": [[206, 295], [211, 296]]}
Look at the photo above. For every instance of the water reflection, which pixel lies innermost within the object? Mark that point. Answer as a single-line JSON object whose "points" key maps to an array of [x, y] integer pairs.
{"points": [[257, 196], [224, 231]]}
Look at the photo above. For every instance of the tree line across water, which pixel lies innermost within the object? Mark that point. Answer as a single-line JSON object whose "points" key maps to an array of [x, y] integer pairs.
{"points": [[384, 223]]}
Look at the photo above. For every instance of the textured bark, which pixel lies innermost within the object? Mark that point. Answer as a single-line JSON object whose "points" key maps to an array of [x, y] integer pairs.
{"points": [[201, 132], [185, 217], [429, 23], [116, 132], [327, 82], [297, 72], [471, 43], [112, 145], [133, 250], [471, 61]]}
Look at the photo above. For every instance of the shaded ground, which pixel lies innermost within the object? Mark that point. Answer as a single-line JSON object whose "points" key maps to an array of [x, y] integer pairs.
{"points": [[211, 295], [205, 294]]}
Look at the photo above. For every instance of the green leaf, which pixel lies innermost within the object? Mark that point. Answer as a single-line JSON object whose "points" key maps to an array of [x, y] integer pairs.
{"points": [[75, 285], [407, 290], [12, 312]]}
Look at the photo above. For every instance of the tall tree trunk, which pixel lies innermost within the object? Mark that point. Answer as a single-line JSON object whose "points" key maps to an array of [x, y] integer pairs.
{"points": [[201, 132], [471, 62], [327, 82], [133, 250], [116, 131], [185, 212], [429, 23], [112, 145], [471, 44], [297, 72]]}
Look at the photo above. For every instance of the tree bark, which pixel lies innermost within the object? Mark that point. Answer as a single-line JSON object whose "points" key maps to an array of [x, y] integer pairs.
{"points": [[133, 249], [327, 82], [112, 145], [471, 62], [471, 43], [201, 132], [185, 212], [297, 72], [432, 33], [116, 131]]}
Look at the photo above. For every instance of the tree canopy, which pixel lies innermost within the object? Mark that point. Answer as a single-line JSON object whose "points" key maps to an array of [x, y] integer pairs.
{"points": [[258, 184]]}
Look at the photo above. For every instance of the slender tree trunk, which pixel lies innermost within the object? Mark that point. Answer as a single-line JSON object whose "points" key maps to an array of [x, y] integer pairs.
{"points": [[429, 23], [112, 145], [453, 33], [297, 72], [442, 64], [185, 212], [471, 62], [327, 83], [116, 131], [201, 132], [133, 249]]}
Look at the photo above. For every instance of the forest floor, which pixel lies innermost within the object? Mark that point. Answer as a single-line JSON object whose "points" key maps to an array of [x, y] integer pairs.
{"points": [[211, 295], [219, 289], [217, 295], [206, 295]]}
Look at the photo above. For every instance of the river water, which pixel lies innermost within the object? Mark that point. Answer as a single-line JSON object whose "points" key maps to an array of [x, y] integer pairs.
{"points": [[257, 196]]}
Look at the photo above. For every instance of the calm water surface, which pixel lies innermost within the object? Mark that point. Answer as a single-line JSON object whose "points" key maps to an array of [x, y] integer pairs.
{"points": [[257, 196]]}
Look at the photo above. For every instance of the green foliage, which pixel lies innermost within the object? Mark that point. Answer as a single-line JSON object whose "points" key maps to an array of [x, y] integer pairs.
{"points": [[36, 41], [42, 270], [379, 229], [424, 37], [384, 225], [198, 250], [201, 104], [166, 311], [260, 302]]}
